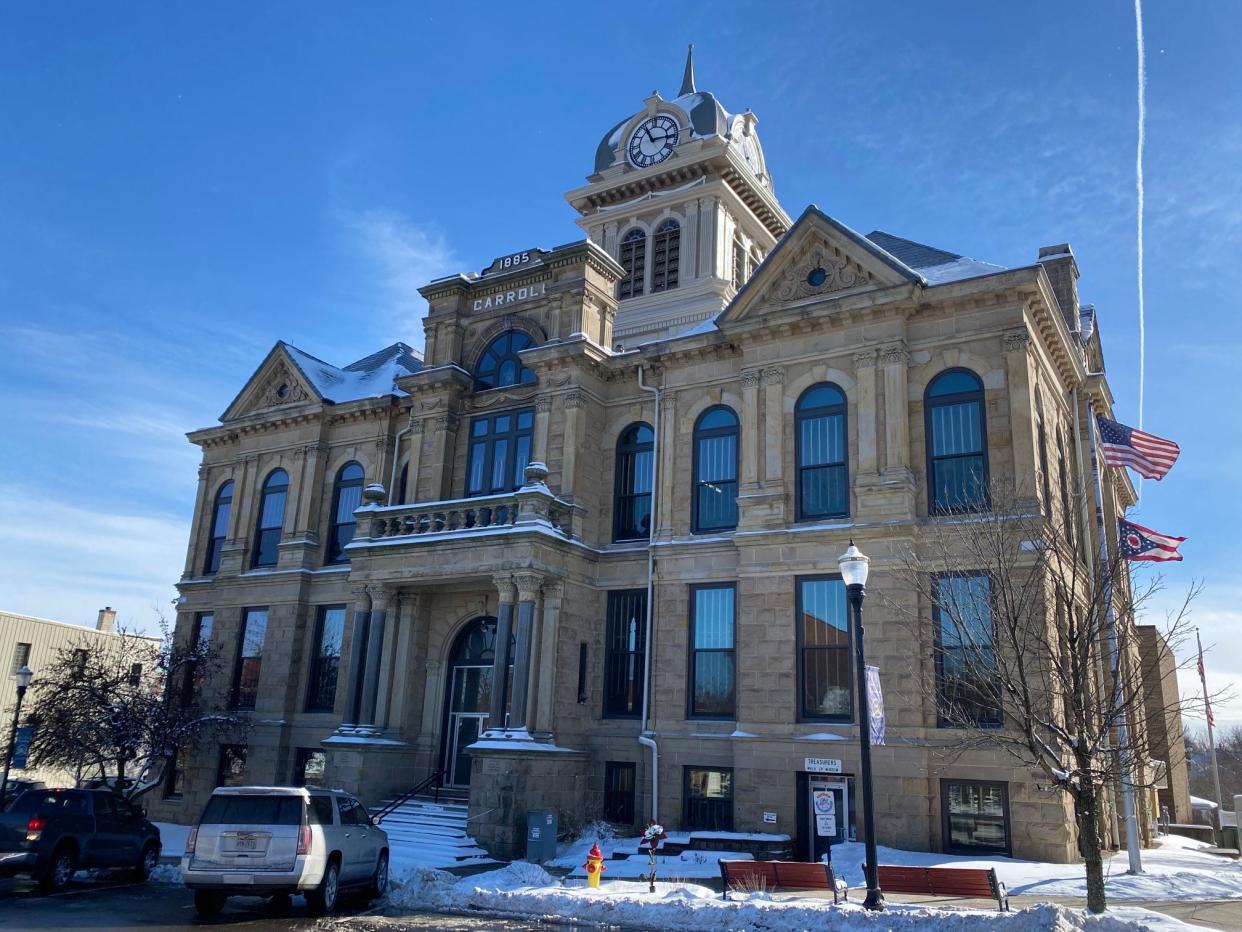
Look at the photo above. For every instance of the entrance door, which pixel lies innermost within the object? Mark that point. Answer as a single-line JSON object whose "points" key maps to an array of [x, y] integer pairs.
{"points": [[829, 808], [469, 703]]}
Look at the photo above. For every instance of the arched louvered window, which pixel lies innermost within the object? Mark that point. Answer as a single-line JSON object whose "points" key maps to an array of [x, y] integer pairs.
{"points": [[500, 364], [665, 256], [823, 473], [715, 470], [346, 497], [219, 527], [634, 261], [631, 506], [957, 460], [271, 518]]}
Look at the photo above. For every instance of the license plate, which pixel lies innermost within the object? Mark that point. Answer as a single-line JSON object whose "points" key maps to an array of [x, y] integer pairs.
{"points": [[246, 844]]}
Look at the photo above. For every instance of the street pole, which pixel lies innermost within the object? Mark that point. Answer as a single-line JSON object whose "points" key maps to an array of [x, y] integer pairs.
{"points": [[23, 680], [855, 592]]}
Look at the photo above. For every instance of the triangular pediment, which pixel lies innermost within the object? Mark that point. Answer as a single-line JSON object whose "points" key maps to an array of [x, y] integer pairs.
{"points": [[277, 383], [818, 257]]}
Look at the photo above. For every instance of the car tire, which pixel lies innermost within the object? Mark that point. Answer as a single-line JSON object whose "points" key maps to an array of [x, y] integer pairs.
{"points": [[59, 870], [322, 900], [379, 880], [147, 862], [209, 903]]}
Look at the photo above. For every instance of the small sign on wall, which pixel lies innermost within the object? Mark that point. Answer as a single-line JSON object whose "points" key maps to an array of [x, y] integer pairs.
{"points": [[825, 813], [823, 765], [769, 818]]}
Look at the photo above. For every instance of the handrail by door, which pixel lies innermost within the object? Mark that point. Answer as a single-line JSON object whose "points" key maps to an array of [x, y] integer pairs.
{"points": [[435, 780]]}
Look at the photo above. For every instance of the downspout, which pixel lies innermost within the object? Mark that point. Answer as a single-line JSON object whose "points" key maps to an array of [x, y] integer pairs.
{"points": [[646, 737], [396, 460]]}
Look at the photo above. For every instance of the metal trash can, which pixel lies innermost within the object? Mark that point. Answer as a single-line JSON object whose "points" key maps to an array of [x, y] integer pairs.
{"points": [[541, 827]]}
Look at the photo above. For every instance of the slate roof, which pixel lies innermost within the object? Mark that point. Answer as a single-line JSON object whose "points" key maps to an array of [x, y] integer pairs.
{"points": [[937, 266], [370, 377]]}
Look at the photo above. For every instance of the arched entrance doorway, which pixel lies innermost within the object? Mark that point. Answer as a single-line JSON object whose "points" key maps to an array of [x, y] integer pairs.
{"points": [[469, 696]]}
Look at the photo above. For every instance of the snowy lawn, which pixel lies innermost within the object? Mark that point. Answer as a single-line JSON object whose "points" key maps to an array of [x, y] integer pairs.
{"points": [[526, 890]]}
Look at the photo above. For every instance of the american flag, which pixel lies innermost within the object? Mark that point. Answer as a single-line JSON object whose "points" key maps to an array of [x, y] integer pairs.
{"points": [[1148, 455], [1207, 703], [1142, 543]]}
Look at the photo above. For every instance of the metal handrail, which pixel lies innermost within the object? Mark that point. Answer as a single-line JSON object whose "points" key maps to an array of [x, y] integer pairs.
{"points": [[436, 780]]}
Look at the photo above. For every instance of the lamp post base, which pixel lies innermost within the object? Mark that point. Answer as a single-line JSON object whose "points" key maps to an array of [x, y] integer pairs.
{"points": [[874, 900]]}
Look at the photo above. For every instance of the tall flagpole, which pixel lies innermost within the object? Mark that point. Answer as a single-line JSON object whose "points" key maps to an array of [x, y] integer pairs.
{"points": [[1114, 658], [1207, 707]]}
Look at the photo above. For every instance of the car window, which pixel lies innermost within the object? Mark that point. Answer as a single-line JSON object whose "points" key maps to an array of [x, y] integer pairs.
{"points": [[321, 810], [253, 810], [105, 805], [364, 817]]}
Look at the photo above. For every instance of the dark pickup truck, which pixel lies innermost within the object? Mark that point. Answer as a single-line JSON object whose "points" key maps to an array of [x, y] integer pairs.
{"points": [[49, 834]]}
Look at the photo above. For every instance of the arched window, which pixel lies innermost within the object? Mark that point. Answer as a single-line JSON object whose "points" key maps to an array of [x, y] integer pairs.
{"points": [[271, 518], [346, 497], [1042, 437], [666, 256], [403, 484], [219, 527], [500, 365], [823, 476], [634, 261], [631, 507], [469, 695], [957, 461], [715, 470]]}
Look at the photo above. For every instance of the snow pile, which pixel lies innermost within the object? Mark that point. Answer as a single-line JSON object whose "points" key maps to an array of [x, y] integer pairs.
{"points": [[1178, 869], [526, 890]]}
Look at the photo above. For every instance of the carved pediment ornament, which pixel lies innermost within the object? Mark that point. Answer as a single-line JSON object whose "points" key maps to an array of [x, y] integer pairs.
{"points": [[279, 388], [819, 270]]}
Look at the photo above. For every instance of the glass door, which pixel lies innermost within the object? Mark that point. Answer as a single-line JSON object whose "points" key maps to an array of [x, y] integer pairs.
{"points": [[470, 700], [829, 813]]}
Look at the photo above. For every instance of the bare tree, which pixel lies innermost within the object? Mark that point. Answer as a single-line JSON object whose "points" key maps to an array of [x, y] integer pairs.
{"points": [[1029, 660], [122, 710]]}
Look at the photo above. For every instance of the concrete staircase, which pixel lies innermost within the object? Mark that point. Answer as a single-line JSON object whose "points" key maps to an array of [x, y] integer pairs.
{"points": [[423, 831]]}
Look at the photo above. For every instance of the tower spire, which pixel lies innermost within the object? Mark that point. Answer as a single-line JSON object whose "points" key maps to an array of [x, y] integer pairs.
{"points": [[687, 81]]}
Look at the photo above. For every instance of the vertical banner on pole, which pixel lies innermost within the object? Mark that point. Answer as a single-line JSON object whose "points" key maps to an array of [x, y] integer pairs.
{"points": [[875, 703], [21, 746]]}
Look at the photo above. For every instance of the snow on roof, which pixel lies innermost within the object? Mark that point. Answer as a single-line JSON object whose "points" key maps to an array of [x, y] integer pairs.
{"points": [[936, 265], [958, 270], [1198, 802], [370, 377]]}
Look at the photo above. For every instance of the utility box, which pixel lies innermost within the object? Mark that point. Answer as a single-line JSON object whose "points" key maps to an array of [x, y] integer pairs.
{"points": [[541, 825]]}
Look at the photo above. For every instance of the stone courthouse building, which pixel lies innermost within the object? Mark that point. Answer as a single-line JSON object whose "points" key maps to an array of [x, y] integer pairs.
{"points": [[581, 553]]}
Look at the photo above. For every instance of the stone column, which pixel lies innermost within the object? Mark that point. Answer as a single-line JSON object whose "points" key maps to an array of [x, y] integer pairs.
{"points": [[574, 401], [527, 592], [201, 524], [773, 423], [545, 661], [380, 598], [865, 413], [392, 675], [500, 669], [895, 357], [749, 476], [539, 444], [1021, 410], [357, 660]]}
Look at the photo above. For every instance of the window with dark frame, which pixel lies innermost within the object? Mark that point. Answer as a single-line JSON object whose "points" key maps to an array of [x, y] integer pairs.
{"points": [[956, 431], [326, 663], [665, 256], [271, 518], [715, 470], [232, 767], [619, 791], [582, 672], [823, 472], [707, 799], [624, 646], [135, 674], [80, 656], [21, 657], [1041, 432], [174, 775], [975, 817], [739, 265], [219, 527], [633, 258], [249, 658], [713, 658], [826, 685], [500, 365], [965, 650], [631, 508], [346, 497], [499, 452]]}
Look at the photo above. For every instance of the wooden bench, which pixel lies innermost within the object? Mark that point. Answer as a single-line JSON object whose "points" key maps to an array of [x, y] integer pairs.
{"points": [[973, 882], [781, 875]]}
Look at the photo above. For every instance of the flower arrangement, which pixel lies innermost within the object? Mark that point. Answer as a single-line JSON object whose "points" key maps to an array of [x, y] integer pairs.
{"points": [[653, 836]]}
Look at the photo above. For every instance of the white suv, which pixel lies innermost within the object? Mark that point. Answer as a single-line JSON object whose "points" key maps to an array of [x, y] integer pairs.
{"points": [[276, 841]]}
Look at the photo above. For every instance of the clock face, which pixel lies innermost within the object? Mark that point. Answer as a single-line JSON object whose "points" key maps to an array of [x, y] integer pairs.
{"points": [[653, 141]]}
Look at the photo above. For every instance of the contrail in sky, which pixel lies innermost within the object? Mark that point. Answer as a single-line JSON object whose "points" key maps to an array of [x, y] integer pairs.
{"points": [[1138, 183]]}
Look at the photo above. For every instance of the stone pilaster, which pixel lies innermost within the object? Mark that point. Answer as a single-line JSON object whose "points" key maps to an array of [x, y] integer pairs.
{"points": [[440, 454], [415, 459], [1021, 410], [201, 527], [668, 462], [773, 424], [539, 443], [392, 675], [380, 598], [500, 669], [865, 413], [749, 477], [574, 402], [895, 359], [528, 585], [356, 660], [543, 714]]}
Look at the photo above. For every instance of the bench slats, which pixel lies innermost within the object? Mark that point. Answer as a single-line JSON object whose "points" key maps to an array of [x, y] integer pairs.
{"points": [[790, 875], [975, 882]]}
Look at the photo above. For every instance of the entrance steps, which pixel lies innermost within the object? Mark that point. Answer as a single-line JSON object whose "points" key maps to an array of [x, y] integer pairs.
{"points": [[424, 831]]}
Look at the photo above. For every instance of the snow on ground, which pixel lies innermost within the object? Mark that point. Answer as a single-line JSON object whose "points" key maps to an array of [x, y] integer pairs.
{"points": [[1178, 869], [525, 889], [172, 838]]}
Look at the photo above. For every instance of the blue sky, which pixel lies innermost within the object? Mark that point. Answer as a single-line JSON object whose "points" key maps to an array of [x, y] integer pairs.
{"points": [[183, 184]]}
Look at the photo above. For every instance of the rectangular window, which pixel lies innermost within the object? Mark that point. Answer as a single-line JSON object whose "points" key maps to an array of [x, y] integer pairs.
{"points": [[135, 674], [232, 767], [965, 651], [200, 644], [826, 688], [249, 658], [582, 672], [975, 817], [308, 767], [21, 657], [739, 266], [325, 665], [619, 780], [499, 452], [624, 645], [174, 775], [707, 802], [712, 656]]}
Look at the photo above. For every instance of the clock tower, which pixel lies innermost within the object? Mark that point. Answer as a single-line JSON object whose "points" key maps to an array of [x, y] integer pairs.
{"points": [[680, 195]]}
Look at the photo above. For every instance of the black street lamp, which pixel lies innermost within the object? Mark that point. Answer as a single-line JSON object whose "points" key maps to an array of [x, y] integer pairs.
{"points": [[854, 565], [23, 680]]}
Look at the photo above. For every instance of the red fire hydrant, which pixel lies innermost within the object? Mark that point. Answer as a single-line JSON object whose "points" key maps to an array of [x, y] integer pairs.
{"points": [[594, 866]]}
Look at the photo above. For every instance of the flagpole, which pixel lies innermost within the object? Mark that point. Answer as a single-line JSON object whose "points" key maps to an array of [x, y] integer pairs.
{"points": [[1114, 658], [1207, 708]]}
